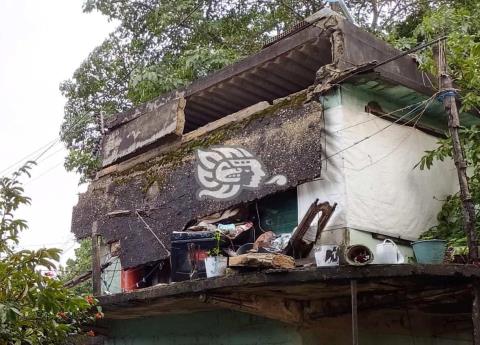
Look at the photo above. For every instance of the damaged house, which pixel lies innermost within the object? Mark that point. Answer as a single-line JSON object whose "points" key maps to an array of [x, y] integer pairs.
{"points": [[318, 141]]}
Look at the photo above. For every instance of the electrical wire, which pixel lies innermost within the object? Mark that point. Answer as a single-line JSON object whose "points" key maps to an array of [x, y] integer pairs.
{"points": [[45, 147], [258, 220], [23, 159], [417, 106], [153, 233], [49, 145], [55, 141], [416, 118], [372, 66], [44, 173], [369, 136], [291, 9]]}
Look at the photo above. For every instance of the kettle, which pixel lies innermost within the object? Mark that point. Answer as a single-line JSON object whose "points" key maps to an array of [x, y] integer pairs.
{"points": [[387, 253]]}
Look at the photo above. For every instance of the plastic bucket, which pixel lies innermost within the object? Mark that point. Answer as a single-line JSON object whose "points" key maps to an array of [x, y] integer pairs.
{"points": [[429, 251], [216, 266], [327, 255], [130, 278]]}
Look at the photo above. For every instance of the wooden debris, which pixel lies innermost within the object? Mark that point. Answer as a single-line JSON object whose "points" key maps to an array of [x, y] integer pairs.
{"points": [[297, 247], [264, 240], [119, 213], [82, 277], [262, 260]]}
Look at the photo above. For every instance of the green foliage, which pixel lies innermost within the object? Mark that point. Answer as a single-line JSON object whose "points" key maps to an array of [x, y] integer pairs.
{"points": [[161, 45], [81, 264], [383, 16], [460, 21], [450, 221], [34, 308], [216, 251]]}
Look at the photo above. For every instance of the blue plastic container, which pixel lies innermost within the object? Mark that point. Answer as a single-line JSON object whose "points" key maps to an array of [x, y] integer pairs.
{"points": [[430, 251]]}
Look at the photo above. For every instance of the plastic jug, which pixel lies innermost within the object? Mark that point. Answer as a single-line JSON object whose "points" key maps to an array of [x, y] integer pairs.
{"points": [[387, 253]]}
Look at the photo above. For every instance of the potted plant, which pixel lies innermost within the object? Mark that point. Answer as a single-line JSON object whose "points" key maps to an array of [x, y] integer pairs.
{"points": [[216, 263]]}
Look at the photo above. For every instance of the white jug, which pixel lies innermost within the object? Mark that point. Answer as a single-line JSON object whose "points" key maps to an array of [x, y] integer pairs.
{"points": [[387, 253]]}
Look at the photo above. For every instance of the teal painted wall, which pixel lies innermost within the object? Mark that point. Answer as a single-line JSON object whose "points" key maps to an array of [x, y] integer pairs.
{"points": [[206, 328], [111, 277], [234, 328]]}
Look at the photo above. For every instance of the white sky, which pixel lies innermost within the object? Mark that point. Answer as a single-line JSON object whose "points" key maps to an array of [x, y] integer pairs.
{"points": [[41, 44]]}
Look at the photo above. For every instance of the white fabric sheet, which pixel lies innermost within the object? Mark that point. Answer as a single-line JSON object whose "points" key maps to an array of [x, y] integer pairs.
{"points": [[374, 181]]}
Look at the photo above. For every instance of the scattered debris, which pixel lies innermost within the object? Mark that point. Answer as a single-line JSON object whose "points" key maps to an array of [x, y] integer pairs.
{"points": [[265, 240], [262, 260], [297, 246]]}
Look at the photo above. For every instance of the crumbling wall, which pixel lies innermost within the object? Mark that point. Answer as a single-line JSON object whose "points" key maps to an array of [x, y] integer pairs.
{"points": [[286, 136]]}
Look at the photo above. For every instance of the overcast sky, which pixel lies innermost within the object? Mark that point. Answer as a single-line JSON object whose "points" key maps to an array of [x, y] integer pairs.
{"points": [[41, 44]]}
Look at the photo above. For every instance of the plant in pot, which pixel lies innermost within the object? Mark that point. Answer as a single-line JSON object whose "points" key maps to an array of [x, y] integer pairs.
{"points": [[216, 263]]}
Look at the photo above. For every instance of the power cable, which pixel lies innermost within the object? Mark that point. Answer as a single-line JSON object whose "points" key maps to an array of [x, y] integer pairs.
{"points": [[45, 147], [416, 118], [370, 136], [291, 9], [51, 143], [372, 66], [44, 173], [153, 233], [417, 106], [23, 159]]}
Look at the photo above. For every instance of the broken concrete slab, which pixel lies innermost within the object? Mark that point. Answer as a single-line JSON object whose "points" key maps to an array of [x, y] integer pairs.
{"points": [[160, 122]]}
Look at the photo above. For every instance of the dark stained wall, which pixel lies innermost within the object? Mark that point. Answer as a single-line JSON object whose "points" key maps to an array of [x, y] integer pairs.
{"points": [[286, 137]]}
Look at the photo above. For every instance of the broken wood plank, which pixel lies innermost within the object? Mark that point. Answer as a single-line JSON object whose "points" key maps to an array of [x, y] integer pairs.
{"points": [[273, 307], [82, 277], [297, 246], [262, 260]]}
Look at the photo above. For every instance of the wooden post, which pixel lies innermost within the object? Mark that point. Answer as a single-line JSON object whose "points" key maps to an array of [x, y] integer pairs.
{"points": [[476, 312], [449, 102], [96, 264], [353, 291], [468, 207]]}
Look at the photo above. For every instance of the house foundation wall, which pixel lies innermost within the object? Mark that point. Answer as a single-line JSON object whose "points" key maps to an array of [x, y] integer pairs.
{"points": [[234, 328]]}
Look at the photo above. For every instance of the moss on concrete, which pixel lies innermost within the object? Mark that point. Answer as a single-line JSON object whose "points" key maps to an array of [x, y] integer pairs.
{"points": [[150, 169]]}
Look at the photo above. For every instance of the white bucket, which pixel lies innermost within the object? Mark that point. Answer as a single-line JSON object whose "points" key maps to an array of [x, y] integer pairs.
{"points": [[216, 266], [387, 253], [327, 255]]}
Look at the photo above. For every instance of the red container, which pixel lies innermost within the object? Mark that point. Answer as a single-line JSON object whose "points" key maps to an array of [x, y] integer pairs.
{"points": [[130, 278]]}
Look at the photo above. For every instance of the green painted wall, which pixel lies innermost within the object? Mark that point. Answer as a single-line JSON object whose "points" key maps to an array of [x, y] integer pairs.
{"points": [[234, 328], [111, 277], [206, 328]]}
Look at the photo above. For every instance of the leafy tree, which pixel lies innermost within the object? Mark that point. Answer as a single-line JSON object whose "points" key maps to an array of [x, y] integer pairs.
{"points": [[160, 45], [80, 264], [460, 21], [35, 308]]}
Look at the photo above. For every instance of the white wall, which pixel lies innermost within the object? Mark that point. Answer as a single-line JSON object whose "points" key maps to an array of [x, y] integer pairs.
{"points": [[374, 181]]}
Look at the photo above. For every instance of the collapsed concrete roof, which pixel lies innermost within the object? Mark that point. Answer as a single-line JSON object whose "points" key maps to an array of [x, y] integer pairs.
{"points": [[288, 65], [148, 152]]}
